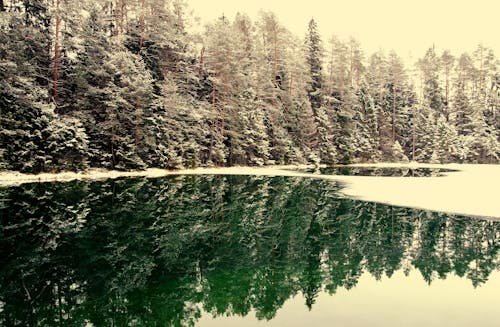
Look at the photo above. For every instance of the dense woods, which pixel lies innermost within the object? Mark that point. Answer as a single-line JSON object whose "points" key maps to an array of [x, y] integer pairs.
{"points": [[126, 84]]}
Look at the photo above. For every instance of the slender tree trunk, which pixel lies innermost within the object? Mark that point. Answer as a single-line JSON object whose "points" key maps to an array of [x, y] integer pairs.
{"points": [[56, 54], [212, 126], [330, 78], [136, 122], [178, 12], [394, 112], [275, 71], [113, 135], [447, 77], [138, 100], [291, 84], [122, 16], [141, 26], [224, 95], [223, 101], [351, 67], [481, 71], [413, 135], [200, 70], [117, 19]]}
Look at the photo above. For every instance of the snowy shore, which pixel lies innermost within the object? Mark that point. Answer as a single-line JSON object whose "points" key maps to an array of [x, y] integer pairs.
{"points": [[472, 190]]}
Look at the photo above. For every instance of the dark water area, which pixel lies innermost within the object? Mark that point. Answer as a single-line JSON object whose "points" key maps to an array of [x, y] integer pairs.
{"points": [[384, 171], [198, 250]]}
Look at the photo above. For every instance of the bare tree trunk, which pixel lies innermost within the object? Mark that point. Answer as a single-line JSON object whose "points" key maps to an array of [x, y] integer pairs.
{"points": [[222, 106], [141, 26], [275, 64], [212, 126], [122, 16], [394, 111], [481, 71], [224, 95], [178, 12], [56, 54], [117, 18], [413, 134], [351, 67], [113, 134], [137, 100], [330, 78], [200, 71], [447, 77], [291, 83], [136, 122]]}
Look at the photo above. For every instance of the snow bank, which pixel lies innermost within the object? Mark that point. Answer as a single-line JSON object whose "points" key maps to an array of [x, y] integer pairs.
{"points": [[472, 190]]}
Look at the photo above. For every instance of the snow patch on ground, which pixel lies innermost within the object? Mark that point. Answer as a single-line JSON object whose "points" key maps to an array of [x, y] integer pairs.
{"points": [[472, 190]]}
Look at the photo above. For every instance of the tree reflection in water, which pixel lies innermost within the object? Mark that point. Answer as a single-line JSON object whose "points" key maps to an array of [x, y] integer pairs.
{"points": [[158, 251]]}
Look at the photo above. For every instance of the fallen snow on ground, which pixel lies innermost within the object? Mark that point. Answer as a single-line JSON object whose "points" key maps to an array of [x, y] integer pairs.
{"points": [[472, 190]]}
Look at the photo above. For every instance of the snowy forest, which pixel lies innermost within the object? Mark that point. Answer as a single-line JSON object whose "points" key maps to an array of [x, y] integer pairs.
{"points": [[129, 84]]}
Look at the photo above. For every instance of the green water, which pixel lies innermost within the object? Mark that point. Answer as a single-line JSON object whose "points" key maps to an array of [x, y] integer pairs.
{"points": [[237, 250]]}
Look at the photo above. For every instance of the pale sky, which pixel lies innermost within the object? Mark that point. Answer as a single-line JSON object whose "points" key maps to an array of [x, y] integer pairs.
{"points": [[408, 27]]}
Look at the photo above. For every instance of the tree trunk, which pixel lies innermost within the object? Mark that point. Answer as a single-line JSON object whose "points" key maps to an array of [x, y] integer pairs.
{"points": [[122, 16], [212, 126], [117, 18], [413, 134], [137, 100], [200, 69], [141, 26], [330, 78], [394, 111], [224, 95], [136, 122], [56, 55], [275, 64], [178, 12], [447, 77], [113, 145]]}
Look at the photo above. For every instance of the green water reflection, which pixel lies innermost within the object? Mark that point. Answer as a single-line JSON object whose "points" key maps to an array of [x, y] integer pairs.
{"points": [[159, 252]]}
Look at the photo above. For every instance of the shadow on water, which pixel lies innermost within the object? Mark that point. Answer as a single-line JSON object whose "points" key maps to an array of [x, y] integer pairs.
{"points": [[156, 251]]}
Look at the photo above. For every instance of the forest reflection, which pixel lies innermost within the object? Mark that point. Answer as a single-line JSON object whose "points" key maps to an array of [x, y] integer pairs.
{"points": [[159, 251]]}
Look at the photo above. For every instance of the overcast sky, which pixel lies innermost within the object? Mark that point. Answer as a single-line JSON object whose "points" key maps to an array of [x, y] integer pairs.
{"points": [[408, 27]]}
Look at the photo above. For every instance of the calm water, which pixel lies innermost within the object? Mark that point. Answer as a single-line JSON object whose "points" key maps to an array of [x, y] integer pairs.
{"points": [[237, 251], [379, 171]]}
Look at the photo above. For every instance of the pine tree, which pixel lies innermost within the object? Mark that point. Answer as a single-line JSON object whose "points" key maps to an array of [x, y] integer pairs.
{"points": [[430, 65], [314, 55]]}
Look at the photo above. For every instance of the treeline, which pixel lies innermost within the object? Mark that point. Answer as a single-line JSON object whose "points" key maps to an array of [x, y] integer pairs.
{"points": [[124, 84], [137, 251]]}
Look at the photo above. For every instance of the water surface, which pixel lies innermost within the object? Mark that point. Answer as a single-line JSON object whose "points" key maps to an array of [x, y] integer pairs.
{"points": [[237, 250], [381, 171]]}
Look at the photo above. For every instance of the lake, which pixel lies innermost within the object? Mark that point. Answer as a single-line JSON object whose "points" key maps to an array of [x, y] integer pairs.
{"points": [[380, 171], [237, 250]]}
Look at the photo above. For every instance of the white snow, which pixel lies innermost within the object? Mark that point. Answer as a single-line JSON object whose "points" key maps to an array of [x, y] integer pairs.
{"points": [[473, 190]]}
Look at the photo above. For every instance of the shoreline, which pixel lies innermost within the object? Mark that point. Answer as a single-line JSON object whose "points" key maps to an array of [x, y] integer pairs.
{"points": [[14, 178], [470, 190]]}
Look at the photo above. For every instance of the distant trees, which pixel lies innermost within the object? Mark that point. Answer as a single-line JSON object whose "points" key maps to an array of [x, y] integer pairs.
{"points": [[136, 90]]}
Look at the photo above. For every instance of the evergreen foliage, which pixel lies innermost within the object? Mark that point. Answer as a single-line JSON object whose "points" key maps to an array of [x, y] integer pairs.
{"points": [[124, 85]]}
